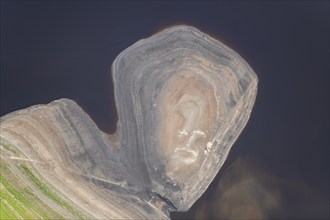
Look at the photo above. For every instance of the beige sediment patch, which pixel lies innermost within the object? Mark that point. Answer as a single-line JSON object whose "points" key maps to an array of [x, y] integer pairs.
{"points": [[188, 113]]}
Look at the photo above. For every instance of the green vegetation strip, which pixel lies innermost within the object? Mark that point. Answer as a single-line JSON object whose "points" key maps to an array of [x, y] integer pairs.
{"points": [[51, 194], [8, 148], [18, 200], [5, 211], [11, 197]]}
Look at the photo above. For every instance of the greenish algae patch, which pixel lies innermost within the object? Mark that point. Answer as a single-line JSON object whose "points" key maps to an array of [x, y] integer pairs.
{"points": [[18, 201], [52, 194], [14, 204], [6, 212], [8, 147], [21, 199]]}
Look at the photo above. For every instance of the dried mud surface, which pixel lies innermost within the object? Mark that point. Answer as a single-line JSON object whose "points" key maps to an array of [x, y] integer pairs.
{"points": [[182, 99]]}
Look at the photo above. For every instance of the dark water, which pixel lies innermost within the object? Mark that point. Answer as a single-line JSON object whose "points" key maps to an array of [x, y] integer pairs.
{"points": [[278, 168]]}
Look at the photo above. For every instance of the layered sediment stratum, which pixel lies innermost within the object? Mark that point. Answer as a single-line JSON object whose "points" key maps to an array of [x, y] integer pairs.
{"points": [[182, 99]]}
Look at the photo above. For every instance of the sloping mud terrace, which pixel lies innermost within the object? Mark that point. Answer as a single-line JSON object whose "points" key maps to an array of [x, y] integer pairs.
{"points": [[182, 99], [58, 175]]}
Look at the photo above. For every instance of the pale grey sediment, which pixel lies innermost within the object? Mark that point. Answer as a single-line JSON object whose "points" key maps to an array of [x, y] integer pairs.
{"points": [[153, 69], [182, 99]]}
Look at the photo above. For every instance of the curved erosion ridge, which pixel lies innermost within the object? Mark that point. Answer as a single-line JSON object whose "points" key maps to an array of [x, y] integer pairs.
{"points": [[182, 99]]}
